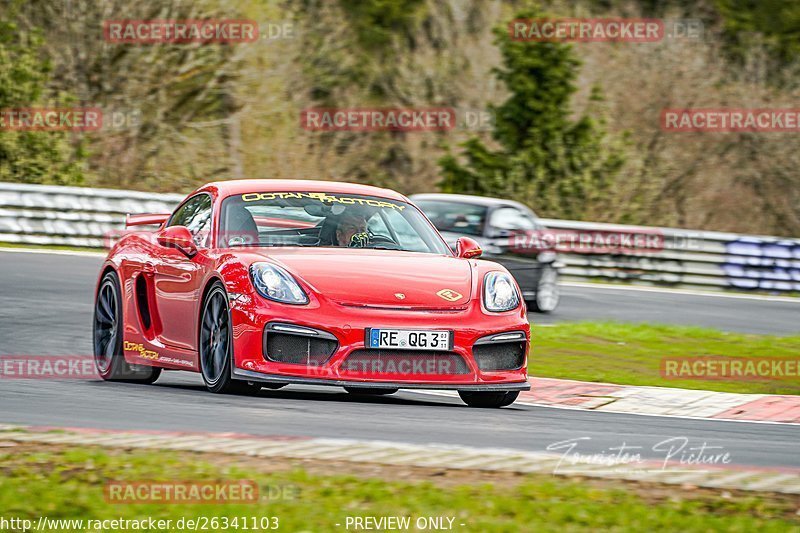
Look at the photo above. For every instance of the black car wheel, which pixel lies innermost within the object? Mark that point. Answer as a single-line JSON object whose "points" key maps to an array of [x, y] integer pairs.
{"points": [[488, 399], [215, 347], [107, 337], [547, 292]]}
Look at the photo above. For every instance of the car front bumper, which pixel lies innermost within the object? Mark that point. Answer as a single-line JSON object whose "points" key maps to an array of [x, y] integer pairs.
{"points": [[347, 325], [282, 379]]}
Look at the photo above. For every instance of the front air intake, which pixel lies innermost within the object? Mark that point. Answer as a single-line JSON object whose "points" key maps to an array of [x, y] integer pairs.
{"points": [[504, 356], [505, 351], [298, 345]]}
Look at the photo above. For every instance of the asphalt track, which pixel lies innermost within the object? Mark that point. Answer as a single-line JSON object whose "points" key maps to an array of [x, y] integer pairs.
{"points": [[46, 305], [735, 313]]}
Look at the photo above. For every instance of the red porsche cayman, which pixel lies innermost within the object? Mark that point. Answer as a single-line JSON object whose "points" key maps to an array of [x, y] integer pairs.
{"points": [[264, 283]]}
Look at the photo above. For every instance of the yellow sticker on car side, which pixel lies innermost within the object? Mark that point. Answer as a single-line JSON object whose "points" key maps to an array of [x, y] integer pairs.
{"points": [[141, 350]]}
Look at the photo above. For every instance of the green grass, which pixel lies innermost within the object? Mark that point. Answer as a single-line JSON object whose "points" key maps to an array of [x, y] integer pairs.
{"points": [[631, 354], [68, 483]]}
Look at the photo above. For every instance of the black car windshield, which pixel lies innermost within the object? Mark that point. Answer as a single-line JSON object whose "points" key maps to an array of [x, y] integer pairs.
{"points": [[455, 217], [325, 220]]}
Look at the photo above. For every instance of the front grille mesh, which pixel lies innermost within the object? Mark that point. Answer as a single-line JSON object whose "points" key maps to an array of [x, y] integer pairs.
{"points": [[500, 356], [417, 362], [298, 349]]}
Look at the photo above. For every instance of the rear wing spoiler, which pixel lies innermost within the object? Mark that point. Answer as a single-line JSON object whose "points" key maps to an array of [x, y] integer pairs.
{"points": [[146, 220]]}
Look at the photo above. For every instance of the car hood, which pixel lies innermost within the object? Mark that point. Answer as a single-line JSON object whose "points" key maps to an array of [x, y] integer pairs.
{"points": [[380, 278]]}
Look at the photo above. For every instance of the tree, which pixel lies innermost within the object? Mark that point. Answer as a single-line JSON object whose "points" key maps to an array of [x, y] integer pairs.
{"points": [[545, 159], [769, 24], [177, 100], [31, 156]]}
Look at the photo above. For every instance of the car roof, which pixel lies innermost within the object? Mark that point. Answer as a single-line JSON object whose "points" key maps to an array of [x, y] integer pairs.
{"points": [[234, 187], [468, 199]]}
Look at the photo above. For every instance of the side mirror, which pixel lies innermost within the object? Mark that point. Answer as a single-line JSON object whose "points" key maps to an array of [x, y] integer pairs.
{"points": [[468, 248], [177, 237]]}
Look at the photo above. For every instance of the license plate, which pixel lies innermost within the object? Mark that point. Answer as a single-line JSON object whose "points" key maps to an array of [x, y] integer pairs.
{"points": [[409, 339]]}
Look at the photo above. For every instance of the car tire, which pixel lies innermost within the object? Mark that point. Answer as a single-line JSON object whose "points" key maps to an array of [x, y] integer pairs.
{"points": [[370, 391], [107, 337], [215, 346], [488, 399], [547, 292]]}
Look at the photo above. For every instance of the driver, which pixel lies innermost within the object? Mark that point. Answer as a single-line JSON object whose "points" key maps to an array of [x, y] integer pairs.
{"points": [[352, 231]]}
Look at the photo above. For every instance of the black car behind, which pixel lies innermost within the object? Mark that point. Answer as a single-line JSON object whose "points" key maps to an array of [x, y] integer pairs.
{"points": [[495, 223]]}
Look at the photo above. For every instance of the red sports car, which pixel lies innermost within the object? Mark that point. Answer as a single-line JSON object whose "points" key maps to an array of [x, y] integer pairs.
{"points": [[263, 283]]}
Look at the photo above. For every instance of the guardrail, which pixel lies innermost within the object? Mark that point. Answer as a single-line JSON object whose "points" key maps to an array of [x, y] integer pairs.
{"points": [[76, 216], [689, 258], [71, 216]]}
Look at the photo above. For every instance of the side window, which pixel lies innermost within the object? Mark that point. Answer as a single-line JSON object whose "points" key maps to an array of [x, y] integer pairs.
{"points": [[195, 214], [505, 219], [455, 217]]}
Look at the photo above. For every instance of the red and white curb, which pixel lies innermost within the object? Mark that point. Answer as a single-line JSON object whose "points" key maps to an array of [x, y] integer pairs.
{"points": [[659, 401], [667, 401], [414, 455]]}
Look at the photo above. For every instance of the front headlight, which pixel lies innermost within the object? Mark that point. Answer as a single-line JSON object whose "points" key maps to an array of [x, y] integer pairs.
{"points": [[499, 292], [274, 283]]}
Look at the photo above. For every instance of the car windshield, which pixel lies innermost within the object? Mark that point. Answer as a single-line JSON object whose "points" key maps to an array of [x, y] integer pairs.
{"points": [[455, 217], [325, 220]]}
